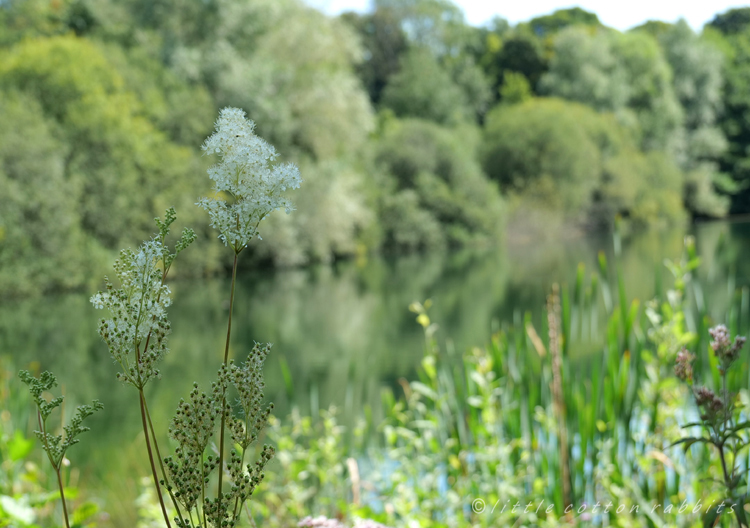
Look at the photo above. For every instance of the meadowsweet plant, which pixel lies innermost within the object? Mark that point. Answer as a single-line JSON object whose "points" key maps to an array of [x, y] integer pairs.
{"points": [[721, 421], [249, 186], [56, 445], [193, 427], [136, 332]]}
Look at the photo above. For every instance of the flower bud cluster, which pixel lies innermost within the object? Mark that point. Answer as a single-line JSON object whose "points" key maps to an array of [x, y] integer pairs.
{"points": [[56, 445], [707, 399], [192, 427], [195, 423], [246, 479], [37, 386], [683, 368], [248, 380], [248, 185], [726, 351], [136, 333]]}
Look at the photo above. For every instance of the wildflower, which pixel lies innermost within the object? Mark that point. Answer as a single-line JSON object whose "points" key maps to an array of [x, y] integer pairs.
{"points": [[247, 183], [726, 351], [720, 336], [683, 368], [136, 333], [706, 398]]}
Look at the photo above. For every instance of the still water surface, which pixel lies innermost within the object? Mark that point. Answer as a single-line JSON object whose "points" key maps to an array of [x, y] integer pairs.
{"points": [[344, 331]]}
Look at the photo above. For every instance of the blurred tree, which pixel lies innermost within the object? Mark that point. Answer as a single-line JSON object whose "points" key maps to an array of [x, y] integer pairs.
{"points": [[437, 25], [472, 81], [42, 246], [563, 156], [543, 148], [515, 88], [438, 194], [585, 69], [292, 69], [20, 19], [123, 169], [697, 81], [548, 25], [438, 28], [488, 43], [733, 22], [423, 88], [335, 216], [383, 42], [288, 66], [523, 54], [655, 28], [621, 73], [730, 32]]}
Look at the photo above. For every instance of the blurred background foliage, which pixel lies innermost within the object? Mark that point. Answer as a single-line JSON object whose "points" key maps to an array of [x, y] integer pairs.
{"points": [[413, 129]]}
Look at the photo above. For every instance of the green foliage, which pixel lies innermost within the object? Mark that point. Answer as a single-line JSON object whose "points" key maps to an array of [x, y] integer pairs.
{"points": [[437, 25], [422, 88], [42, 243], [23, 19], [548, 25], [107, 167], [696, 72], [625, 74], [543, 148], [120, 164], [310, 471], [730, 32], [56, 445], [439, 66], [438, 193], [568, 158], [383, 42], [519, 53], [515, 88], [669, 96], [118, 93], [733, 22], [193, 427]]}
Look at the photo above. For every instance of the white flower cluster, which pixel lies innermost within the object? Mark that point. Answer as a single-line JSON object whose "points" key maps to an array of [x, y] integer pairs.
{"points": [[137, 332], [248, 185]]}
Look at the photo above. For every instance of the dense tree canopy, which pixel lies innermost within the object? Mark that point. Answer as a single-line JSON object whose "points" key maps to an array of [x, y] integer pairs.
{"points": [[407, 124], [565, 156], [438, 193], [625, 74], [730, 32]]}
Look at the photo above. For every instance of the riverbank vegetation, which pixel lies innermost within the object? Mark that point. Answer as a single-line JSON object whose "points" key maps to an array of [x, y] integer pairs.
{"points": [[523, 419], [414, 129]]}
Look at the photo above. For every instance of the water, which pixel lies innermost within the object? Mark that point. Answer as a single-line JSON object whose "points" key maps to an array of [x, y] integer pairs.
{"points": [[344, 331]]}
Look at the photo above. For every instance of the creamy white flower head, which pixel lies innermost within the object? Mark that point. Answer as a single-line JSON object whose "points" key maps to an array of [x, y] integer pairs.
{"points": [[137, 330], [248, 184]]}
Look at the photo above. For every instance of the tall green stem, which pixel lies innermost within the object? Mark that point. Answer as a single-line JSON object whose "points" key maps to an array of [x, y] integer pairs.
{"points": [[43, 429], [151, 459], [161, 464], [62, 497], [223, 399]]}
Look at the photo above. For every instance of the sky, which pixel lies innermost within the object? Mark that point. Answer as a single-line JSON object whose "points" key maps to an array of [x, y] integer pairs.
{"points": [[614, 13]]}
